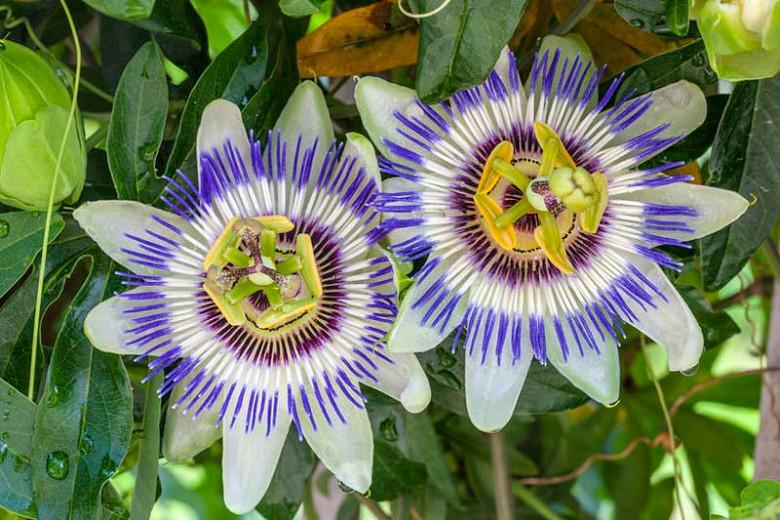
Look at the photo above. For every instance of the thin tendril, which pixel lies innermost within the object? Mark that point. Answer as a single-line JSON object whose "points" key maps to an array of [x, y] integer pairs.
{"points": [[50, 206], [418, 16]]}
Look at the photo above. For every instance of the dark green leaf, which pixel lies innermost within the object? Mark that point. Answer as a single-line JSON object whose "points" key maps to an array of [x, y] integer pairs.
{"points": [[695, 144], [688, 63], [235, 75], [393, 473], [661, 17], [119, 42], [760, 492], [716, 326], [21, 237], [424, 446], [460, 45], [745, 158], [17, 414], [677, 16], [123, 9], [84, 420], [137, 123], [145, 494], [284, 495], [546, 390]]}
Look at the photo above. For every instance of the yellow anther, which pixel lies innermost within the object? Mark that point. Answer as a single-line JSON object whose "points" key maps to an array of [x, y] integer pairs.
{"points": [[548, 236], [504, 151], [511, 173], [516, 211], [309, 273], [232, 312], [574, 187], [225, 240], [590, 219], [278, 223], [549, 139], [490, 210], [285, 313]]}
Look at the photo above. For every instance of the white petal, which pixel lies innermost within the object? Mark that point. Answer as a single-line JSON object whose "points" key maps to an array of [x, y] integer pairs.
{"points": [[408, 333], [397, 185], [185, 434], [716, 207], [306, 115], [405, 380], [105, 324], [682, 104], [492, 389], [595, 373], [360, 147], [377, 100], [249, 460], [347, 450], [108, 222], [221, 122], [671, 324], [569, 47]]}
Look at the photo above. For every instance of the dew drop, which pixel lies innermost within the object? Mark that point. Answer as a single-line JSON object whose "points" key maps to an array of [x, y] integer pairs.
{"points": [[612, 404], [388, 430], [107, 467], [691, 371], [445, 358], [637, 22], [4, 436], [3, 452], [6, 415], [449, 379], [87, 444], [54, 396], [57, 465], [4, 228], [20, 464]]}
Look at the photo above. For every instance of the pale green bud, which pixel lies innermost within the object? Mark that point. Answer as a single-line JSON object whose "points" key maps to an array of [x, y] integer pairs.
{"points": [[32, 124], [742, 37], [573, 187]]}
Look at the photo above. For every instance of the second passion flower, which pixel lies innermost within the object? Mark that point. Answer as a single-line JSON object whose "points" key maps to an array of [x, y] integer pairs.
{"points": [[540, 222], [263, 296]]}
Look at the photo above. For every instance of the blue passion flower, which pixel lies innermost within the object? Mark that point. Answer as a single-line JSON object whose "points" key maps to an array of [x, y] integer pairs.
{"points": [[540, 222], [262, 295]]}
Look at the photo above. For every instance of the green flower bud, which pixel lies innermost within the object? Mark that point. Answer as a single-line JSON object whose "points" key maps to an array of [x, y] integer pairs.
{"points": [[742, 37], [574, 188], [32, 124]]}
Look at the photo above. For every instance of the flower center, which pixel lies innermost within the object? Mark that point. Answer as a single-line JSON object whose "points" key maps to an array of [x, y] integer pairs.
{"points": [[247, 259], [545, 190]]}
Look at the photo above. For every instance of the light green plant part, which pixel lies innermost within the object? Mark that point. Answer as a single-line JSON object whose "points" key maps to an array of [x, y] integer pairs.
{"points": [[32, 125], [742, 38]]}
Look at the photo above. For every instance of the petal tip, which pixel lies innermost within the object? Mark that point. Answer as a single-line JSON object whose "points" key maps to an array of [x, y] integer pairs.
{"points": [[417, 395]]}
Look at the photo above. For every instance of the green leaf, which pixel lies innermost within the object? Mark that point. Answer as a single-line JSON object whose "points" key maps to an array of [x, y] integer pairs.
{"points": [[745, 158], [284, 495], [393, 474], [424, 446], [677, 16], [296, 8], [760, 492], [17, 414], [145, 493], [460, 45], [135, 130], [688, 63], [84, 420], [21, 235], [123, 9], [235, 74], [661, 17], [716, 326]]}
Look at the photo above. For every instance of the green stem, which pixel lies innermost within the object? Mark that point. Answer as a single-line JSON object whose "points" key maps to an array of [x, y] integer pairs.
{"points": [[50, 206], [769, 248], [501, 482], [145, 493], [534, 502], [579, 12]]}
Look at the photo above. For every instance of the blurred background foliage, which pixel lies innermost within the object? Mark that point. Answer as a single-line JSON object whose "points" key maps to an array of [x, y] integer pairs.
{"points": [[674, 445]]}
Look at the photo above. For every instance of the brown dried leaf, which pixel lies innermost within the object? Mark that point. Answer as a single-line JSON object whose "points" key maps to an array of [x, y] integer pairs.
{"points": [[368, 39]]}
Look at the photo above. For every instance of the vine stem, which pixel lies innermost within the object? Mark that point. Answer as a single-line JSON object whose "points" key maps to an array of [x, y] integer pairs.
{"points": [[501, 484], [50, 206]]}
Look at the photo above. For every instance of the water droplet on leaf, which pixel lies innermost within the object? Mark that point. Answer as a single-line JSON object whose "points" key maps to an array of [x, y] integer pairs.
{"points": [[3, 452], [388, 430], [637, 22], [87, 444], [4, 228], [57, 465], [445, 358]]}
